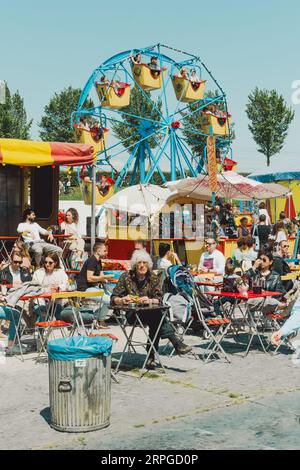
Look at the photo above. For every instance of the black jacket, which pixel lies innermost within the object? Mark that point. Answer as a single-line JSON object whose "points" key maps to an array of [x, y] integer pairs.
{"points": [[6, 276], [273, 281]]}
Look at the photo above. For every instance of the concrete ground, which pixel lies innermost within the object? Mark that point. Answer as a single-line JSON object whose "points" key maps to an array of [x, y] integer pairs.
{"points": [[251, 403]]}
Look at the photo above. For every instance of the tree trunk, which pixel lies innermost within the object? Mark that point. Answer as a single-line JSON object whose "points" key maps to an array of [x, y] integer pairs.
{"points": [[268, 160]]}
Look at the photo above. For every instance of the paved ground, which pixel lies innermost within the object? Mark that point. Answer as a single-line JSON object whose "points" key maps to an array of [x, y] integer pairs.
{"points": [[252, 403]]}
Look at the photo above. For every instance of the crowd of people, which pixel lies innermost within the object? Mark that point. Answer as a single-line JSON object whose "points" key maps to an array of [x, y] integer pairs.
{"points": [[37, 262]]}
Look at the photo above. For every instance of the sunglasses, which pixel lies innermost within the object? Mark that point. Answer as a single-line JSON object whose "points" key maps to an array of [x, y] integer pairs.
{"points": [[285, 246], [49, 262], [17, 262], [207, 243], [265, 260]]}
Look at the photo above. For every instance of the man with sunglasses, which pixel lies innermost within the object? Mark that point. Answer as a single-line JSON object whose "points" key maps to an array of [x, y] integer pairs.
{"points": [[14, 273], [212, 260]]}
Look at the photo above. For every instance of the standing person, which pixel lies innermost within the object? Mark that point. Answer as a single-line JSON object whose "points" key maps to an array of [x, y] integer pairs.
{"points": [[31, 232], [92, 278], [242, 230], [280, 266], [263, 231], [212, 260], [15, 274], [262, 210], [71, 227]]}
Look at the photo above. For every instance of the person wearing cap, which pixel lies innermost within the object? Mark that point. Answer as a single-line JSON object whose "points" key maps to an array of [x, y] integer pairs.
{"points": [[140, 281]]}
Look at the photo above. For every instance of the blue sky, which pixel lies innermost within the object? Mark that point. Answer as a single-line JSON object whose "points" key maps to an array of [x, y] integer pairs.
{"points": [[46, 46]]}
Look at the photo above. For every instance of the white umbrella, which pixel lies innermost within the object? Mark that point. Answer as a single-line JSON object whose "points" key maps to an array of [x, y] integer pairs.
{"points": [[231, 185], [141, 199]]}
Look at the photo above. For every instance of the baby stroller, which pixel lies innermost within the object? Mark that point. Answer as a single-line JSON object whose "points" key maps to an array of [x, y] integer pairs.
{"points": [[180, 300]]}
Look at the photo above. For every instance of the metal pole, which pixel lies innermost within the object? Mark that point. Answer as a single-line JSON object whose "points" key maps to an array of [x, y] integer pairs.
{"points": [[93, 209]]}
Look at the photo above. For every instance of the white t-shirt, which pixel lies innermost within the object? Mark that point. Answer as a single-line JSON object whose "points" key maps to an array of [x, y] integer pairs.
{"points": [[56, 279], [281, 235], [214, 262], [71, 229], [163, 263], [32, 231], [16, 275]]}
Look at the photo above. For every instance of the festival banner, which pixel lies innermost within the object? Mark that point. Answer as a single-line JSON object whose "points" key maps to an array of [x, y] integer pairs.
{"points": [[212, 164]]}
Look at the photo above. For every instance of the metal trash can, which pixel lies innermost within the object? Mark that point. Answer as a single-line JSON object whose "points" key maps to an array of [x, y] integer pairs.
{"points": [[80, 383]]}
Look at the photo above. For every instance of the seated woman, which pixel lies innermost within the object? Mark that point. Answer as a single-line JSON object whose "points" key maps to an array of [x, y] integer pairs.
{"points": [[183, 73], [262, 273], [71, 227], [83, 123], [142, 282], [53, 279], [195, 80]]}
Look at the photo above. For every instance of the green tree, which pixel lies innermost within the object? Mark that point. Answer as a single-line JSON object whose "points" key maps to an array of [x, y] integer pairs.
{"points": [[128, 130], [55, 123], [270, 119], [13, 117], [192, 126]]}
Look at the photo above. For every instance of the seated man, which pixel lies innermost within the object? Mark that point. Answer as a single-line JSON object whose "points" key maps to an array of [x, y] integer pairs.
{"points": [[165, 256], [140, 281], [91, 278], [212, 260], [154, 67], [14, 273], [31, 232]]}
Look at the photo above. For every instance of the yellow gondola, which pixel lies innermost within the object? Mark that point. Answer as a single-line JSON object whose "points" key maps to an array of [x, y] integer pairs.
{"points": [[83, 136], [86, 189], [145, 77], [113, 95], [220, 125], [188, 91]]}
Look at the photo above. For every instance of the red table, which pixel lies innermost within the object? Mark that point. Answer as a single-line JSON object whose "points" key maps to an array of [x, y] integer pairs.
{"points": [[248, 316]]}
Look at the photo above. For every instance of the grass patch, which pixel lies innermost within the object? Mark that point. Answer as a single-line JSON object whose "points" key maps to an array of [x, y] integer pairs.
{"points": [[74, 195]]}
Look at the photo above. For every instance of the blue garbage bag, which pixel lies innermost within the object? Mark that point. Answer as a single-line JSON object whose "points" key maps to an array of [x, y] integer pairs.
{"points": [[79, 347]]}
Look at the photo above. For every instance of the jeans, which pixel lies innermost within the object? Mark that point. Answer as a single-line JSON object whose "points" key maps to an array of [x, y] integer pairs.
{"points": [[100, 311], [13, 316], [41, 310]]}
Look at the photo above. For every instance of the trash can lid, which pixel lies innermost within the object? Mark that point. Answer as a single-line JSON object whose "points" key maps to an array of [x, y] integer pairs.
{"points": [[79, 347]]}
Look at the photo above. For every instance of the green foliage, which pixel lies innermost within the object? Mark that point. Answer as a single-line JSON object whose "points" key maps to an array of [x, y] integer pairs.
{"points": [[192, 125], [128, 130], [13, 117], [55, 123], [270, 119]]}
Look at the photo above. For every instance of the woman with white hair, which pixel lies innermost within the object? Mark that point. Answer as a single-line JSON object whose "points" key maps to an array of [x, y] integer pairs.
{"points": [[141, 282]]}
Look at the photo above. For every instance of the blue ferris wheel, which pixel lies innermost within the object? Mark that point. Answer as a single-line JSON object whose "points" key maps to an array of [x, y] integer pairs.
{"points": [[171, 85]]}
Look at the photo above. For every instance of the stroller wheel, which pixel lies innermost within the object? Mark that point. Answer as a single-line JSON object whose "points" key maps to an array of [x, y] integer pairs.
{"points": [[205, 335]]}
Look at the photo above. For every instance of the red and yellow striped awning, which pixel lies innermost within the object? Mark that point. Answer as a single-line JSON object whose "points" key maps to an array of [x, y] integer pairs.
{"points": [[31, 153]]}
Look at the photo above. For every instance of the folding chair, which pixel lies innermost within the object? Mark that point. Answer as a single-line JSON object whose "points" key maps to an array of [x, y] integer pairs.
{"points": [[216, 329], [74, 299]]}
